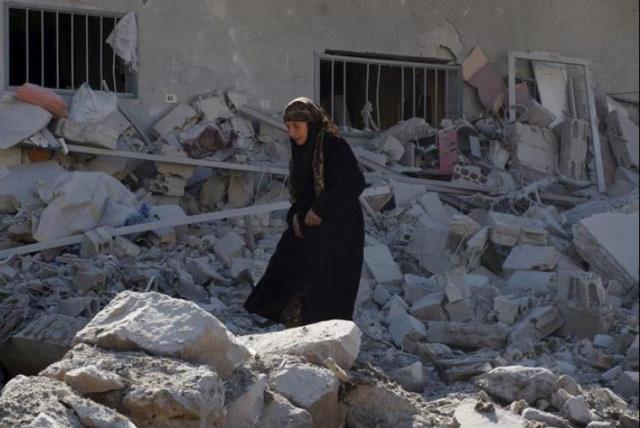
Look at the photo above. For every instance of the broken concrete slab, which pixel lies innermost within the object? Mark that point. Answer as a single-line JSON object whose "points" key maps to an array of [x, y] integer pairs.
{"points": [[313, 389], [406, 330], [467, 334], [229, 247], [429, 308], [552, 80], [627, 384], [165, 392], [245, 410], [91, 379], [546, 418], [41, 342], [213, 108], [512, 383], [279, 412], [381, 265], [428, 244], [535, 151], [577, 410], [524, 283], [22, 180], [574, 136], [510, 230], [479, 73], [164, 326], [38, 401], [468, 415], [412, 377], [531, 257], [623, 137], [178, 118], [91, 134], [539, 323], [582, 301], [609, 243], [336, 339]]}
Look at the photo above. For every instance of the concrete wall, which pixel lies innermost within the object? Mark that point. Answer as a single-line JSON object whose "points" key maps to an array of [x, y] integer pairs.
{"points": [[265, 47]]}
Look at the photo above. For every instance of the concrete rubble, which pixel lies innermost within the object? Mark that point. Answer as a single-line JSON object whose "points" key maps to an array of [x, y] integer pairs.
{"points": [[499, 287]]}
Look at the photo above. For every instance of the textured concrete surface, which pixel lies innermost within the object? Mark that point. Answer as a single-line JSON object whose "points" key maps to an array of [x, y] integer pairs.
{"points": [[266, 46]]}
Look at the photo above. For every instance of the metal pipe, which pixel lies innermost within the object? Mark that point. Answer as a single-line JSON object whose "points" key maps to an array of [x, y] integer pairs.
{"points": [[414, 91], [73, 63], [344, 94], [333, 73], [357, 60], [42, 47], [101, 42], [86, 46], [435, 110], [378, 96], [402, 94], [57, 50], [424, 93], [27, 41]]}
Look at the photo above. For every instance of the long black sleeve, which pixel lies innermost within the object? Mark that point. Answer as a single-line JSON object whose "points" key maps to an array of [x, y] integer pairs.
{"points": [[347, 181]]}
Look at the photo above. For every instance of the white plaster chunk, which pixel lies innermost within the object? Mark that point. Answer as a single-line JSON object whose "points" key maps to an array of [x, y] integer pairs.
{"points": [[336, 339], [90, 379], [160, 325], [531, 257], [381, 265], [313, 389]]}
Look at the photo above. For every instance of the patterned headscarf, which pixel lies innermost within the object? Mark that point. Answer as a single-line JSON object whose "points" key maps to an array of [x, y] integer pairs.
{"points": [[304, 110], [308, 160]]}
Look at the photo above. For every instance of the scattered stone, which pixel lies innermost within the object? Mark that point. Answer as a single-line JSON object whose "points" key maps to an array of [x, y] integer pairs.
{"points": [[577, 410], [160, 325], [336, 339], [512, 383], [381, 265], [467, 416], [412, 377]]}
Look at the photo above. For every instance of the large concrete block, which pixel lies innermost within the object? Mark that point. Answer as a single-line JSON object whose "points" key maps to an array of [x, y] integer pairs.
{"points": [[337, 339], [467, 334], [229, 247], [582, 301], [160, 325], [381, 265], [510, 230], [623, 137], [405, 330], [531, 257], [156, 392], [37, 401], [313, 389], [535, 150], [177, 119], [429, 308], [280, 413], [513, 383], [609, 243], [467, 416]]}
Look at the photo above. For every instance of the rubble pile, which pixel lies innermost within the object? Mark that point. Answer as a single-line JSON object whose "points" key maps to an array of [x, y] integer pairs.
{"points": [[499, 286]]}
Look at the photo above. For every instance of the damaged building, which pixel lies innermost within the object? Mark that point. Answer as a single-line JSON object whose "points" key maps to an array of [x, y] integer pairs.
{"points": [[143, 189]]}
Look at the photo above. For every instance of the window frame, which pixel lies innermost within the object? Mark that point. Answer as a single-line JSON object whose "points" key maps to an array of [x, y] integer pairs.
{"points": [[389, 60], [70, 10]]}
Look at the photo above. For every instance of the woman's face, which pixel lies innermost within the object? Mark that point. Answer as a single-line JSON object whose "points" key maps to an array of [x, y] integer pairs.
{"points": [[298, 132]]}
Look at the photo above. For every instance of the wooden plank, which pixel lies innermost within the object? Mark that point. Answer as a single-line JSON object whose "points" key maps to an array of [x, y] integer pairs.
{"points": [[73, 148], [182, 221]]}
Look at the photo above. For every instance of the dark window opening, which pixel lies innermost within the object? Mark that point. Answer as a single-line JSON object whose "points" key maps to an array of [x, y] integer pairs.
{"points": [[62, 50], [396, 90]]}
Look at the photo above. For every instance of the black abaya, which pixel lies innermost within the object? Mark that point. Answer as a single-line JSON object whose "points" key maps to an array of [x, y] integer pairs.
{"points": [[322, 269]]}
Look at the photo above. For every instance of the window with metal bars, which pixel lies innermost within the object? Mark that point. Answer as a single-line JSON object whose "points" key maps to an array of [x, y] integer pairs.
{"points": [[61, 49], [390, 88]]}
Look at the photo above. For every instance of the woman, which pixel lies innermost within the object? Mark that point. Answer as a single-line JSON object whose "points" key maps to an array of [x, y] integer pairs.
{"points": [[315, 271]]}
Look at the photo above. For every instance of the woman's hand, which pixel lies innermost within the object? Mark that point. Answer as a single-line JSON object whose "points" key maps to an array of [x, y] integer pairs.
{"points": [[312, 219], [297, 231]]}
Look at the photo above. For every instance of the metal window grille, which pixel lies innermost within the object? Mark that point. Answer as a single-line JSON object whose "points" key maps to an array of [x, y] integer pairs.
{"points": [[396, 90], [61, 49]]}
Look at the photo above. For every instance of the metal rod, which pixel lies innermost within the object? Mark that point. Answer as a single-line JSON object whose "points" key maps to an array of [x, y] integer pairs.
{"points": [[344, 94], [414, 91], [73, 65], [446, 93], [366, 88], [101, 42], [356, 60], [378, 96], [42, 47], [86, 46], [435, 110], [113, 67], [402, 94], [424, 93], [27, 41], [333, 73], [57, 50]]}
